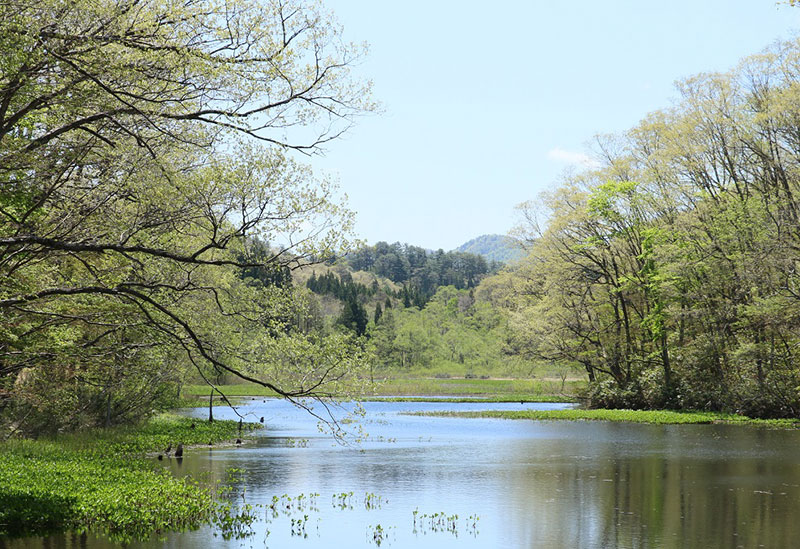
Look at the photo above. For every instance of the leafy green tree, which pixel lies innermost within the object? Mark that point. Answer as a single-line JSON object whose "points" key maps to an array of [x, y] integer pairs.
{"points": [[144, 161], [392, 266], [267, 273], [669, 271]]}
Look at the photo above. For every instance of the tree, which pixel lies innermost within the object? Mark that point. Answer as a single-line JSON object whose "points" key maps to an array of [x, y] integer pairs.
{"points": [[392, 266], [266, 273], [670, 270], [354, 316], [144, 152]]}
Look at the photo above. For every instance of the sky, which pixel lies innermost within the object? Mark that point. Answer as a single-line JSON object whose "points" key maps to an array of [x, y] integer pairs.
{"points": [[485, 104]]}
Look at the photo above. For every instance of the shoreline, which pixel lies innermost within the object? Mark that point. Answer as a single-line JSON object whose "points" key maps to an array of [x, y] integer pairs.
{"points": [[651, 417], [107, 481]]}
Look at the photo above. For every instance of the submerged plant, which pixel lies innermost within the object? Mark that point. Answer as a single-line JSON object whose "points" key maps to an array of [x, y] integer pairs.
{"points": [[377, 534], [442, 522], [373, 501]]}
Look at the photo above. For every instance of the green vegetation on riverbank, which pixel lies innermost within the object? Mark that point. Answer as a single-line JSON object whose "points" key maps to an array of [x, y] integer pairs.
{"points": [[102, 481], [658, 417], [520, 399], [495, 390]]}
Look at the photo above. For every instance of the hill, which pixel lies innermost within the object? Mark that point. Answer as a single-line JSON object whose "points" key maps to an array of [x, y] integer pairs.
{"points": [[362, 284], [494, 247]]}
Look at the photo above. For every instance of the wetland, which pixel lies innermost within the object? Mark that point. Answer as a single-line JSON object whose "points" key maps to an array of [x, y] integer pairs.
{"points": [[473, 482]]}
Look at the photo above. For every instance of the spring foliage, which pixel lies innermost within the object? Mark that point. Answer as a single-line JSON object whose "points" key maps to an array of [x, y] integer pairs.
{"points": [[670, 273], [146, 158]]}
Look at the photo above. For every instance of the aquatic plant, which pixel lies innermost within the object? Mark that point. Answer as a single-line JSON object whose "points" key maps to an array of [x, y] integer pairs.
{"points": [[658, 417], [442, 522], [299, 526], [102, 481], [343, 500], [373, 501], [286, 505], [377, 534], [235, 522]]}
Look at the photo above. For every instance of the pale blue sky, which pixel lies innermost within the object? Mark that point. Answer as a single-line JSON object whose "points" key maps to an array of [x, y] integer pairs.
{"points": [[485, 103]]}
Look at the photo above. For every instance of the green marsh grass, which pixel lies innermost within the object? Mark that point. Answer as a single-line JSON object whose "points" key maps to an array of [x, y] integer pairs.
{"points": [[522, 397], [462, 390], [103, 481], [511, 389], [657, 417]]}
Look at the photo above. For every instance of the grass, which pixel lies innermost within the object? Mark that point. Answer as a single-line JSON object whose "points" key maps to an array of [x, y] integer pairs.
{"points": [[415, 389], [500, 390], [102, 481], [522, 398], [656, 417]]}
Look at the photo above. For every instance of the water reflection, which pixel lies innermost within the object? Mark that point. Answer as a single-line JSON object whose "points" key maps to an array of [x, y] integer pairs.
{"points": [[533, 484], [677, 486]]}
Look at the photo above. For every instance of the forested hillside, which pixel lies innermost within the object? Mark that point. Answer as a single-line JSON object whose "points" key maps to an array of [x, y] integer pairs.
{"points": [[494, 247], [454, 334], [416, 310], [420, 271]]}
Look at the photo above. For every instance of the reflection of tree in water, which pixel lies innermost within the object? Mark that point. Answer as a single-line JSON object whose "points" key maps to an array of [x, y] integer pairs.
{"points": [[670, 487]]}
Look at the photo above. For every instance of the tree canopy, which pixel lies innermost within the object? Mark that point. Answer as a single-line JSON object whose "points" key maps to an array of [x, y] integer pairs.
{"points": [[146, 156], [670, 272], [420, 271]]}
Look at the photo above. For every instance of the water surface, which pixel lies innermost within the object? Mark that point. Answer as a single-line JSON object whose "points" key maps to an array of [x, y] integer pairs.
{"points": [[531, 483]]}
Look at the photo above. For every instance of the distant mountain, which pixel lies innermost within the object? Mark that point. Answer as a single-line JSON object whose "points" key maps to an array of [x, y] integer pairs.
{"points": [[494, 247]]}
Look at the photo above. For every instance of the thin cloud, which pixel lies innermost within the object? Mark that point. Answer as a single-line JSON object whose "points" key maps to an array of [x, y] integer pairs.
{"points": [[564, 156]]}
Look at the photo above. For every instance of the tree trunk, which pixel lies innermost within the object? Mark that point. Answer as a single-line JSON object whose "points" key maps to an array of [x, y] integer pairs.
{"points": [[108, 410]]}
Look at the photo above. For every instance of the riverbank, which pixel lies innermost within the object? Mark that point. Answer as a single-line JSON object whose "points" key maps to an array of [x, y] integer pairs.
{"points": [[657, 417], [417, 389], [103, 480], [521, 399]]}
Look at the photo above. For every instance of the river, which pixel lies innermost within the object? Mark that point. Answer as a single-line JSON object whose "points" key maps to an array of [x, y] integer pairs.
{"points": [[515, 484]]}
